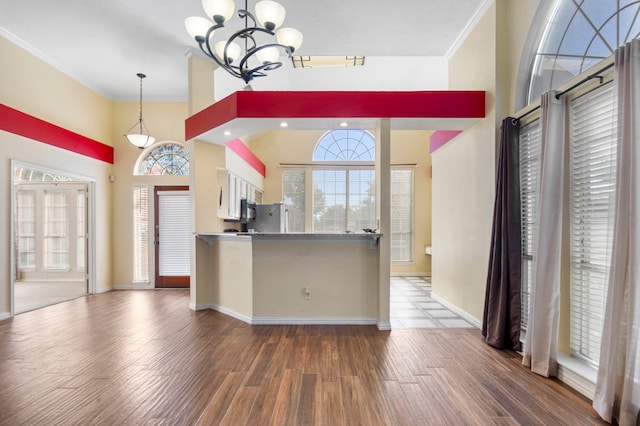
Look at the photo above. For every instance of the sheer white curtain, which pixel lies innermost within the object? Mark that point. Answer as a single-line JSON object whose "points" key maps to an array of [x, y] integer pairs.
{"points": [[540, 346], [618, 387]]}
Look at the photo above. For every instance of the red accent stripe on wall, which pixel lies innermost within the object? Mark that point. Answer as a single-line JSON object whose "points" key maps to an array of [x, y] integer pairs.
{"points": [[440, 138], [247, 155], [19, 123], [270, 104]]}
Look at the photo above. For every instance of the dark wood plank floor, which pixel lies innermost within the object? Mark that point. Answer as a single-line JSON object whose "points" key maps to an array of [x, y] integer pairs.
{"points": [[142, 357]]}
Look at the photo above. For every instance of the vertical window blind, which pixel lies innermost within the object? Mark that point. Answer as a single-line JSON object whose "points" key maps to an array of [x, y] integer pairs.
{"points": [[140, 234], [293, 195], [592, 170], [529, 186], [401, 215]]}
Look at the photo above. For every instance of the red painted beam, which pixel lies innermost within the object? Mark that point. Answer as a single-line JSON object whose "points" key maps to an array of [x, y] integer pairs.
{"points": [[270, 104], [247, 155], [19, 123]]}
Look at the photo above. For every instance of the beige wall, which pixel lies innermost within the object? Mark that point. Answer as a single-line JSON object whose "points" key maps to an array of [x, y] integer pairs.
{"points": [[342, 277], [407, 147], [35, 88], [464, 169], [165, 122]]}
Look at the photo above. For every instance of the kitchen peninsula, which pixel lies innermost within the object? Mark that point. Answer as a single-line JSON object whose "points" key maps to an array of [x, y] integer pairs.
{"points": [[291, 278]]}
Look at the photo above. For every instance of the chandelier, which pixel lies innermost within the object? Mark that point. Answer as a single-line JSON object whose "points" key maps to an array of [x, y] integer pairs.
{"points": [[142, 139], [241, 54]]}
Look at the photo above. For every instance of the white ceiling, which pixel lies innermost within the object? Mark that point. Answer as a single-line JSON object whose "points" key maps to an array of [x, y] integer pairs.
{"points": [[104, 43]]}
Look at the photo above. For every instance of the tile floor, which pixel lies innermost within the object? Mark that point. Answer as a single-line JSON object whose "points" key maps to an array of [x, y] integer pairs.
{"points": [[413, 307]]}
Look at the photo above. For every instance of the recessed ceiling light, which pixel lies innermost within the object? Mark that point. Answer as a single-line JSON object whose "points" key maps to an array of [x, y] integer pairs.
{"points": [[344, 124], [227, 133], [284, 124]]}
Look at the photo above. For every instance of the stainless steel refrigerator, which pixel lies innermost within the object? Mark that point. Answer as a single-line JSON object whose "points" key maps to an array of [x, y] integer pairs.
{"points": [[270, 218]]}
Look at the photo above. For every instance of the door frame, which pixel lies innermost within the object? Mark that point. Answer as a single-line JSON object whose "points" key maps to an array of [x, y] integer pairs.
{"points": [[175, 282], [91, 225]]}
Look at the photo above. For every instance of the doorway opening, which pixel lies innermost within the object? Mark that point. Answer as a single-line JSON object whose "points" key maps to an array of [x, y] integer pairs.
{"points": [[50, 218]]}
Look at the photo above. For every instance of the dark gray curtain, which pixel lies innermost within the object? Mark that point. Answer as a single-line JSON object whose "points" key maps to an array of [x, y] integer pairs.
{"points": [[501, 322]]}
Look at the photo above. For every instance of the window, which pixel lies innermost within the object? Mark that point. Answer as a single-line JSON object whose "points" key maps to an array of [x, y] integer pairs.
{"points": [[401, 215], [81, 230], [293, 194], [343, 199], [26, 229], [345, 145], [591, 174], [140, 234], [342, 185], [56, 230], [592, 181], [578, 35], [529, 186], [167, 158]]}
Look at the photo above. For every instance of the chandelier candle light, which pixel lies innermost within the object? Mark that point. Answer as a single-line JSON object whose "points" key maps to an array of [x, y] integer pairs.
{"points": [[254, 58], [142, 139]]}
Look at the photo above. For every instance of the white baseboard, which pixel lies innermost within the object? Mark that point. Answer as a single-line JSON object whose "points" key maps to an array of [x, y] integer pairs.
{"points": [[103, 290], [5, 315], [202, 307], [229, 312], [312, 321], [465, 315], [384, 326], [133, 287], [291, 320]]}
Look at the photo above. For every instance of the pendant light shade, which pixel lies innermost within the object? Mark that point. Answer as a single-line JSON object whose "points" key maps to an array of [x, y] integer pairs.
{"points": [[270, 14], [289, 37], [219, 10], [142, 138]]}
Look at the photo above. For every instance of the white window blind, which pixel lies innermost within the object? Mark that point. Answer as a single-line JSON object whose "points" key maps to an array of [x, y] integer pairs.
{"points": [[140, 233], [293, 181], [529, 185], [175, 233], [401, 215], [592, 175]]}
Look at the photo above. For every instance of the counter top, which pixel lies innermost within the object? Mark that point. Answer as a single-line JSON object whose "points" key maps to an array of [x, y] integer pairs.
{"points": [[290, 236]]}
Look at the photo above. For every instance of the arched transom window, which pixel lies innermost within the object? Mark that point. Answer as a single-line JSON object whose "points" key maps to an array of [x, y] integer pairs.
{"points": [[578, 35], [345, 145], [165, 158]]}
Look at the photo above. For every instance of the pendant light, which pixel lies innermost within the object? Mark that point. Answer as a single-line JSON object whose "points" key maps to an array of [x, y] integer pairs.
{"points": [[251, 50], [142, 139]]}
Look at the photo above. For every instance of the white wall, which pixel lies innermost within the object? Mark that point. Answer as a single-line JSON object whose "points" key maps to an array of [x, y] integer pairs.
{"points": [[377, 74]]}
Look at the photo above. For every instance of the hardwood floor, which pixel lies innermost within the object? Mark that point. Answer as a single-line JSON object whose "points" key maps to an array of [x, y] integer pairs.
{"points": [[142, 357]]}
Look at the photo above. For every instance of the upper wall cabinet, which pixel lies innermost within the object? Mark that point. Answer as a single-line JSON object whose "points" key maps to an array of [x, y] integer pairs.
{"points": [[232, 188]]}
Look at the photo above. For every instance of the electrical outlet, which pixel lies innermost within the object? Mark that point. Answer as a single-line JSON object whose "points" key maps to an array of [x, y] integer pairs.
{"points": [[307, 294]]}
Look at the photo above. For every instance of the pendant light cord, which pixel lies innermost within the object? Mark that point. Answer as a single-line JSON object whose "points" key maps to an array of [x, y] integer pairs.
{"points": [[140, 118]]}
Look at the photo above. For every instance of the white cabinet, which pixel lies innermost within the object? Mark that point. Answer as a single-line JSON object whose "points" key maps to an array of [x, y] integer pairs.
{"points": [[232, 188], [229, 195]]}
